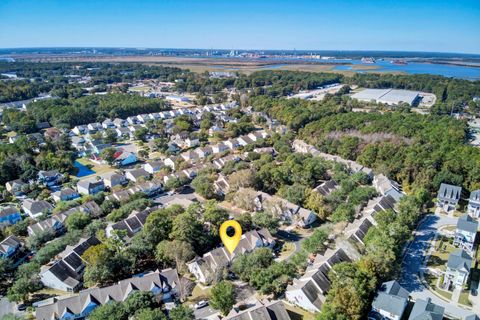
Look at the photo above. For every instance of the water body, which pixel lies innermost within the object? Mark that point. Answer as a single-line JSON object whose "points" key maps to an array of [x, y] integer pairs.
{"points": [[83, 170], [461, 72]]}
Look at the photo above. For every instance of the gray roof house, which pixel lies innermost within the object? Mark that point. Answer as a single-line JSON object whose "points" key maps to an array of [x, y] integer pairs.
{"points": [[458, 268], [448, 196], [474, 204], [466, 233], [90, 186], [66, 274], [391, 300], [165, 284], [135, 174], [426, 310], [36, 208], [274, 310]]}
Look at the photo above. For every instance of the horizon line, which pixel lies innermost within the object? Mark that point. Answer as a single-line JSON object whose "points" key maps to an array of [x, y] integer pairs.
{"points": [[240, 49]]}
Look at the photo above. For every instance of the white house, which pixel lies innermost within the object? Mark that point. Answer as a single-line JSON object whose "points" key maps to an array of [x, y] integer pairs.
{"points": [[135, 174], [474, 204], [390, 301], [113, 179], [465, 233], [65, 195], [458, 268], [36, 208], [448, 196], [90, 186], [153, 166]]}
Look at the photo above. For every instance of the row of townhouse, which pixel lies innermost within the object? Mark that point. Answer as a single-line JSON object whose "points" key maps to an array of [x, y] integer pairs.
{"points": [[132, 224], [303, 147], [448, 197], [166, 285], [206, 268], [284, 209], [118, 123], [309, 291], [66, 272], [268, 310], [199, 154], [50, 178], [56, 223]]}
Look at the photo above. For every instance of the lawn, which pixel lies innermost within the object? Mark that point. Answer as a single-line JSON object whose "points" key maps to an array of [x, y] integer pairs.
{"points": [[464, 298], [432, 283], [439, 256], [98, 168], [287, 249], [199, 293], [296, 313]]}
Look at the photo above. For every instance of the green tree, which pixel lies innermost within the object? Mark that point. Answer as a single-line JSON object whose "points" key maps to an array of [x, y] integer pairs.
{"points": [[175, 251], [108, 154], [78, 220], [223, 297], [181, 312]]}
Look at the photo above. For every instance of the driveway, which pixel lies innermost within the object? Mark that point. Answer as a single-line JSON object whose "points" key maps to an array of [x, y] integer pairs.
{"points": [[7, 307], [413, 264]]}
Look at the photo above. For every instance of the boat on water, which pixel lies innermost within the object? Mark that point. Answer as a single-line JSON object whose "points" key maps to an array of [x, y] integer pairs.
{"points": [[399, 62], [368, 60]]}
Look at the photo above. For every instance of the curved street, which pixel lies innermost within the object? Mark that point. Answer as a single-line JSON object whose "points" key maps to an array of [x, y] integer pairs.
{"points": [[413, 264]]}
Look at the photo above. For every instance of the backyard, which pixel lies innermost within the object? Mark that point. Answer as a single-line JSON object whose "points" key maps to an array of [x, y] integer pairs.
{"points": [[439, 256]]}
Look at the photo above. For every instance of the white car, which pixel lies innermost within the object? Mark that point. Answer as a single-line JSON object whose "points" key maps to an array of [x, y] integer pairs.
{"points": [[200, 304]]}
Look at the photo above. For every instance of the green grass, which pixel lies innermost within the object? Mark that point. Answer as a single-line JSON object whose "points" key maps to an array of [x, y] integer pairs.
{"points": [[432, 283], [439, 256], [296, 313], [199, 294], [464, 298]]}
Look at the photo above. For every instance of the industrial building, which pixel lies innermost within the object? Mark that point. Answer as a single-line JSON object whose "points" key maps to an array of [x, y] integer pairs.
{"points": [[388, 96]]}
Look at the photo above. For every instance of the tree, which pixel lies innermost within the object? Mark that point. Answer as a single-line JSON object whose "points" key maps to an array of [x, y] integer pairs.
{"points": [[149, 314], [140, 133], [175, 251], [241, 179], [186, 227], [108, 154], [223, 297], [214, 215], [316, 202], [77, 220], [110, 311], [265, 220], [203, 185], [181, 312], [109, 136], [344, 212], [316, 242]]}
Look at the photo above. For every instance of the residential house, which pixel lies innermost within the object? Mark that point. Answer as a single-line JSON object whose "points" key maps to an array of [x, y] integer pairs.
{"points": [[274, 310], [56, 223], [132, 224], [390, 301], [119, 196], [96, 146], [150, 188], [132, 120], [474, 204], [448, 196], [219, 148], [65, 195], [136, 174], [113, 179], [90, 186], [426, 309], [220, 163], [221, 185], [244, 140], [153, 166], [10, 247], [203, 152], [66, 274], [124, 158], [309, 291], [387, 187], [190, 156], [326, 187], [123, 133], [214, 129], [35, 208], [78, 143], [49, 178], [191, 143], [119, 123], [94, 127], [15, 187], [166, 285], [232, 143], [79, 130], [458, 268], [205, 268], [9, 215], [108, 124], [466, 233], [170, 162], [52, 134]]}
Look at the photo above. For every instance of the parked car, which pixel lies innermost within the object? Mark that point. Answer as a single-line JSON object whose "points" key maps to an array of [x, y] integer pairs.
{"points": [[200, 304], [22, 307]]}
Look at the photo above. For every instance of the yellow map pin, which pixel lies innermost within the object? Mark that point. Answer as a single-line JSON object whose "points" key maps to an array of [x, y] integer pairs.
{"points": [[230, 242]]}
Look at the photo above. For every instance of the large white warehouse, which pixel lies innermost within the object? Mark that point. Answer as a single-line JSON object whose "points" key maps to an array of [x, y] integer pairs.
{"points": [[388, 96]]}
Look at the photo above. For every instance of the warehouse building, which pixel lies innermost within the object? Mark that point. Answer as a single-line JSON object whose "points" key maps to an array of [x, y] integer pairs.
{"points": [[388, 96]]}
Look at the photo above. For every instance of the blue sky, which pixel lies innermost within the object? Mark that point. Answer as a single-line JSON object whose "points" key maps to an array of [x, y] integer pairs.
{"points": [[406, 25]]}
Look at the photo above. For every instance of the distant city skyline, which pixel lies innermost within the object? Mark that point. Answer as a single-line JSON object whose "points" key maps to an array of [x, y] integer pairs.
{"points": [[418, 26]]}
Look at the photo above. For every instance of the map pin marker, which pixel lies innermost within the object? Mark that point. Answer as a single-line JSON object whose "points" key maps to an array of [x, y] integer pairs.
{"points": [[230, 242]]}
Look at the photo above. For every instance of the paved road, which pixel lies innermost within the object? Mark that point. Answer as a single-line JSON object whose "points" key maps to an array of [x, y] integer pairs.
{"points": [[413, 263], [292, 238], [7, 307]]}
